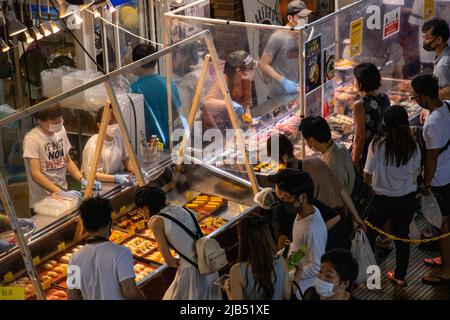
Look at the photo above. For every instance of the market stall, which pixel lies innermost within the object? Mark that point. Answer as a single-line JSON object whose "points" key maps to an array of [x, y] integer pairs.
{"points": [[219, 199]]}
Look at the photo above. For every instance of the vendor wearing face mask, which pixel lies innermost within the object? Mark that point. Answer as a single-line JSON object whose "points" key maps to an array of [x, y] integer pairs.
{"points": [[436, 33], [280, 58], [113, 157], [239, 73], [338, 273], [46, 151]]}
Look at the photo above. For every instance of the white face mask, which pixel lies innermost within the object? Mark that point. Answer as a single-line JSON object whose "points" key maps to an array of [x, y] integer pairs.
{"points": [[54, 128], [112, 130], [324, 289], [301, 22]]}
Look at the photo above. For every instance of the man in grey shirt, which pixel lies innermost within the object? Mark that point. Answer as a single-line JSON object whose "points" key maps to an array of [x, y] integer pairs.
{"points": [[317, 133], [280, 58], [436, 34]]}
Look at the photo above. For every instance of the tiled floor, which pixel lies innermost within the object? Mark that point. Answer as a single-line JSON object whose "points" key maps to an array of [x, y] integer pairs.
{"points": [[415, 290]]}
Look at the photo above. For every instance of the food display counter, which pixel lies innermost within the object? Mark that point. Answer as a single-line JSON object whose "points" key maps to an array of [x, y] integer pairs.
{"points": [[53, 248]]}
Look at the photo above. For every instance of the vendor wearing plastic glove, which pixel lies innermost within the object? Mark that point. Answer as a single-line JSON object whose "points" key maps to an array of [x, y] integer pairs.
{"points": [[280, 58], [46, 151], [239, 72], [113, 157], [5, 225]]}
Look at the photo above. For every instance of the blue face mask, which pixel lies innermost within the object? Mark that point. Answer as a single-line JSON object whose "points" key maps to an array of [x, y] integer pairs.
{"points": [[324, 289]]}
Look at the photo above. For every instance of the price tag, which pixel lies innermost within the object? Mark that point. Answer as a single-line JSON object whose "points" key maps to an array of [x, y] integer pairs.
{"points": [[132, 232], [140, 225], [113, 215], [61, 247], [46, 284], [122, 210], [36, 260], [8, 277], [12, 293]]}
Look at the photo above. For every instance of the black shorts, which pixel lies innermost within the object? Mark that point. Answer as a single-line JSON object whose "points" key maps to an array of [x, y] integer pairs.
{"points": [[442, 195]]}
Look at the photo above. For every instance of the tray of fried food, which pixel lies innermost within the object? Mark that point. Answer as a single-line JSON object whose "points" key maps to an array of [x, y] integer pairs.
{"points": [[147, 233], [211, 224], [25, 283], [268, 167], [142, 270], [56, 294], [205, 205], [156, 257], [117, 236], [53, 270], [140, 246]]}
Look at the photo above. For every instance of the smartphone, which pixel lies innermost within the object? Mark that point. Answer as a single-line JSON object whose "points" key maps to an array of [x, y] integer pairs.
{"points": [[221, 281]]}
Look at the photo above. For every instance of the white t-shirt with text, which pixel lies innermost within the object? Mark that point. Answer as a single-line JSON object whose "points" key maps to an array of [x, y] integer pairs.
{"points": [[51, 152]]}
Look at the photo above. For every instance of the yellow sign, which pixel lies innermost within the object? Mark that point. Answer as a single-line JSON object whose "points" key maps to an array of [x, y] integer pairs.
{"points": [[61, 247], [46, 284], [8, 277], [12, 293], [36, 260], [428, 9], [356, 37]]}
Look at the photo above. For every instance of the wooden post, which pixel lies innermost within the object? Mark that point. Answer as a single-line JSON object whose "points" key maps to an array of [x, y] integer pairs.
{"points": [[124, 132], [168, 74], [234, 120], [194, 107], [98, 150]]}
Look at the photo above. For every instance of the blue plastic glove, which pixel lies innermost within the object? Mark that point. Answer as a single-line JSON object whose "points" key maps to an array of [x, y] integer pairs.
{"points": [[26, 223], [71, 193], [97, 184], [5, 246], [238, 108], [123, 179], [289, 86]]}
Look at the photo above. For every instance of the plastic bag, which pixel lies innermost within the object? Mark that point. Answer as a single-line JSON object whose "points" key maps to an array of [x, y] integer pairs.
{"points": [[431, 210], [56, 206], [362, 252], [414, 233]]}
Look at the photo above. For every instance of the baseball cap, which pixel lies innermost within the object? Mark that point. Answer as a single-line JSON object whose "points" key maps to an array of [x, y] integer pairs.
{"points": [[298, 7], [266, 199], [241, 59]]}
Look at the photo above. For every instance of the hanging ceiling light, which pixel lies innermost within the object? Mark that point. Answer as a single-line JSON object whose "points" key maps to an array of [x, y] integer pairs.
{"points": [[4, 45], [14, 26], [53, 27], [26, 35], [33, 30], [43, 26], [110, 6], [69, 7]]}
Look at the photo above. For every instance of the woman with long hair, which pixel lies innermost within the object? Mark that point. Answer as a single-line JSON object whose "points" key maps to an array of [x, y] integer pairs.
{"points": [[392, 167], [367, 111], [260, 273]]}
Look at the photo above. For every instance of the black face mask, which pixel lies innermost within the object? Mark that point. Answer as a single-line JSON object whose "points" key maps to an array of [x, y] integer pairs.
{"points": [[289, 208], [429, 46]]}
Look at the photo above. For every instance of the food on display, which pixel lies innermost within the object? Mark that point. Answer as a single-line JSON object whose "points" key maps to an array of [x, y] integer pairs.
{"points": [[211, 224], [140, 246], [344, 64], [157, 256], [340, 123], [205, 205], [148, 233], [142, 270], [56, 294], [118, 236], [25, 283], [268, 168]]}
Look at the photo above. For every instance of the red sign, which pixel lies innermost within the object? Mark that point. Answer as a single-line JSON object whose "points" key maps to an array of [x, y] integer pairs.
{"points": [[391, 23]]}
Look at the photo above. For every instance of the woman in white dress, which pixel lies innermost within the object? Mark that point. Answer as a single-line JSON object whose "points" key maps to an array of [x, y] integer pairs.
{"points": [[188, 284]]}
